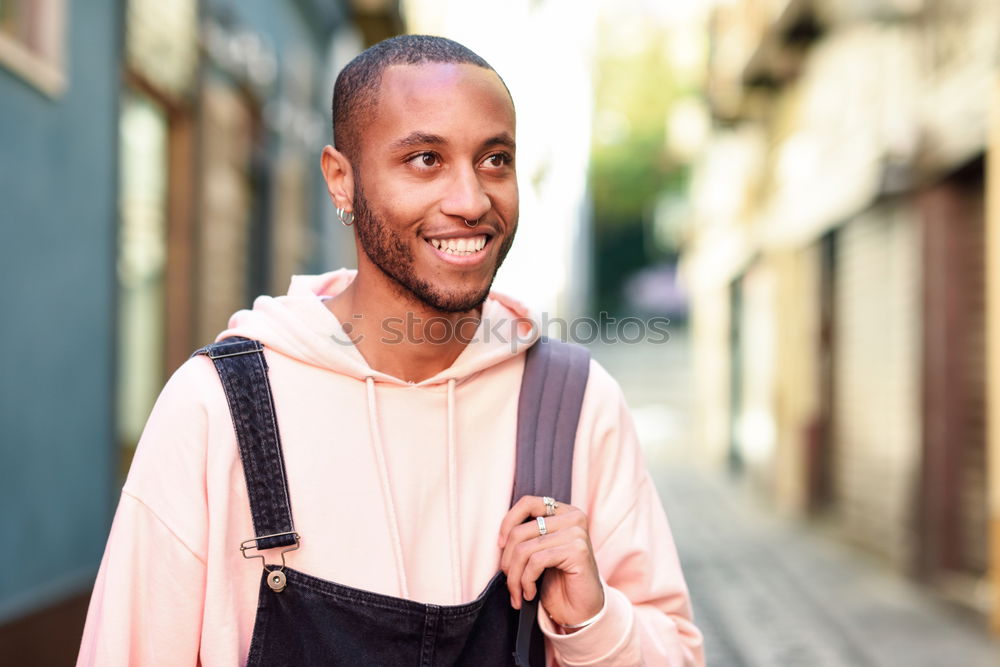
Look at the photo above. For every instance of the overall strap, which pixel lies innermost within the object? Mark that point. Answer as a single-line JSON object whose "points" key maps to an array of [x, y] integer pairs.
{"points": [[548, 411], [243, 371]]}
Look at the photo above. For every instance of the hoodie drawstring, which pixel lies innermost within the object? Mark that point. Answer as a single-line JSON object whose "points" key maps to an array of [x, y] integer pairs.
{"points": [[456, 557], [383, 471]]}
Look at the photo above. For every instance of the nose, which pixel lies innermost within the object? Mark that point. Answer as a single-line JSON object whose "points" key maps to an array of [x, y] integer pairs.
{"points": [[466, 198]]}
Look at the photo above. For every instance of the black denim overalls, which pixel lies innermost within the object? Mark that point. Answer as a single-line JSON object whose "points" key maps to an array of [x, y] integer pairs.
{"points": [[303, 620]]}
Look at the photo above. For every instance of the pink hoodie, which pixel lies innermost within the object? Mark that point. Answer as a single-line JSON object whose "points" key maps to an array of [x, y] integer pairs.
{"points": [[174, 589]]}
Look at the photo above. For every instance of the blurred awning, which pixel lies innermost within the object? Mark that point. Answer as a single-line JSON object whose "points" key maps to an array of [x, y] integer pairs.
{"points": [[376, 19], [777, 57]]}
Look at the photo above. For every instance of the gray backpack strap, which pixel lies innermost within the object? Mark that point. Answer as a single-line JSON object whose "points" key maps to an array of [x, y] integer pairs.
{"points": [[548, 411], [555, 377]]}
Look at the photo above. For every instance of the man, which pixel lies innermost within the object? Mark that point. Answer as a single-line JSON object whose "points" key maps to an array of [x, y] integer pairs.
{"points": [[397, 418]]}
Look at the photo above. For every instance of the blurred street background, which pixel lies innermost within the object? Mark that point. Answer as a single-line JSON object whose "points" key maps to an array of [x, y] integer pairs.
{"points": [[807, 189]]}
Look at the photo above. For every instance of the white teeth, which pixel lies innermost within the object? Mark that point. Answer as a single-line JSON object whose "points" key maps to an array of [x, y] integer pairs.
{"points": [[460, 246]]}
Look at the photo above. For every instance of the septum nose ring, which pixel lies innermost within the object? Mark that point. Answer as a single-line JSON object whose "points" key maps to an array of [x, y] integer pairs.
{"points": [[473, 223]]}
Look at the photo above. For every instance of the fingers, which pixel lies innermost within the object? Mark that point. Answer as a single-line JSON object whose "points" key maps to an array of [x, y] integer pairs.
{"points": [[529, 558], [567, 557], [526, 553], [525, 508], [528, 531]]}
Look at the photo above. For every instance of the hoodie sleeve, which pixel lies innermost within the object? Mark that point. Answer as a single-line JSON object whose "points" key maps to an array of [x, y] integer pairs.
{"points": [[147, 603], [647, 617]]}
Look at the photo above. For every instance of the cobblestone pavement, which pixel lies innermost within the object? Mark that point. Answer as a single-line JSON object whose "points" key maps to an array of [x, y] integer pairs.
{"points": [[769, 592]]}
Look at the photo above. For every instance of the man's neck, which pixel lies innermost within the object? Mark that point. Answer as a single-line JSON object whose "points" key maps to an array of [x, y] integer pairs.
{"points": [[396, 333]]}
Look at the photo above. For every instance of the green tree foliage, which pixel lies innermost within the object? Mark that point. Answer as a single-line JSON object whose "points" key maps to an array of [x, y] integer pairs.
{"points": [[630, 163]]}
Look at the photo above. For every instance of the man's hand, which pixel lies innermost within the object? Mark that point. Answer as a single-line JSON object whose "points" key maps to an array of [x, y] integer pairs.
{"points": [[571, 588]]}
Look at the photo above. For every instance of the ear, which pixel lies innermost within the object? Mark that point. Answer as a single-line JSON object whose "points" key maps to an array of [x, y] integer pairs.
{"points": [[339, 177]]}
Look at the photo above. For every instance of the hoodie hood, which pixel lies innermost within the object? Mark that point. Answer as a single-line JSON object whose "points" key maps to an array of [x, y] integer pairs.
{"points": [[300, 326]]}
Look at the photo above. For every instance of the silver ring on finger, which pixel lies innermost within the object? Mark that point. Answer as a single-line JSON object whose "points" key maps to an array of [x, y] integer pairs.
{"points": [[550, 505], [541, 525]]}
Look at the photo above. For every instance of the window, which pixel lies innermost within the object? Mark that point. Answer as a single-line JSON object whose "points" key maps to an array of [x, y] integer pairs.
{"points": [[31, 42], [142, 255]]}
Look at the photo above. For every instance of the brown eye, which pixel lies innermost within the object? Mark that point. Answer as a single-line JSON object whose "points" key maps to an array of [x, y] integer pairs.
{"points": [[498, 160], [425, 160]]}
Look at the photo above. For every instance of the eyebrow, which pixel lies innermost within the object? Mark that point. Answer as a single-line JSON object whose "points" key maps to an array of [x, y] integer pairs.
{"points": [[504, 139], [424, 139], [418, 139]]}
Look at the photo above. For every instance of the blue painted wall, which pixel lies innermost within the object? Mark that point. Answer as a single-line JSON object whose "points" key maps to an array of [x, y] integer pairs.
{"points": [[59, 481], [58, 201]]}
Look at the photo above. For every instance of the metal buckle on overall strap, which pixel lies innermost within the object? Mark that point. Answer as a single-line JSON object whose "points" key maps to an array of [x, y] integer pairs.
{"points": [[275, 578]]}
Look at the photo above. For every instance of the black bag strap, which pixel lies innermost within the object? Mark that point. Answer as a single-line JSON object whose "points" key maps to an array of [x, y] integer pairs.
{"points": [[243, 371], [548, 411]]}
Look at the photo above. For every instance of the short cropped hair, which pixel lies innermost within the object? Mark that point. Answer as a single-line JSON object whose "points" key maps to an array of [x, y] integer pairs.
{"points": [[355, 94]]}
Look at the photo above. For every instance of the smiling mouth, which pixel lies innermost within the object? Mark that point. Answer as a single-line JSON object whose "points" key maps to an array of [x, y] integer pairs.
{"points": [[461, 247]]}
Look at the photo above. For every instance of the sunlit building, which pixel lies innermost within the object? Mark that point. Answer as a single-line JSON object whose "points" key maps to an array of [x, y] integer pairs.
{"points": [[548, 71], [839, 272]]}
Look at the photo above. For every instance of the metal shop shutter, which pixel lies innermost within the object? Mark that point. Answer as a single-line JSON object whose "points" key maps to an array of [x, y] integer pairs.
{"points": [[876, 386]]}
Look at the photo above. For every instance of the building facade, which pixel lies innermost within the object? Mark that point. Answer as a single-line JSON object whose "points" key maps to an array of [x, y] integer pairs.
{"points": [[838, 266], [160, 168]]}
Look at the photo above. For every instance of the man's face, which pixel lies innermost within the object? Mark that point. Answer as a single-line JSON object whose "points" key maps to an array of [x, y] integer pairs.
{"points": [[439, 151]]}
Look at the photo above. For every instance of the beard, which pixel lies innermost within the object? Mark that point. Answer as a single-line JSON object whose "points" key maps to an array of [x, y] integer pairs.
{"points": [[387, 250]]}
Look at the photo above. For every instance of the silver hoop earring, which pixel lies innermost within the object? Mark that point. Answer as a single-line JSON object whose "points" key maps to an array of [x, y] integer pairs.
{"points": [[473, 223], [346, 217]]}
